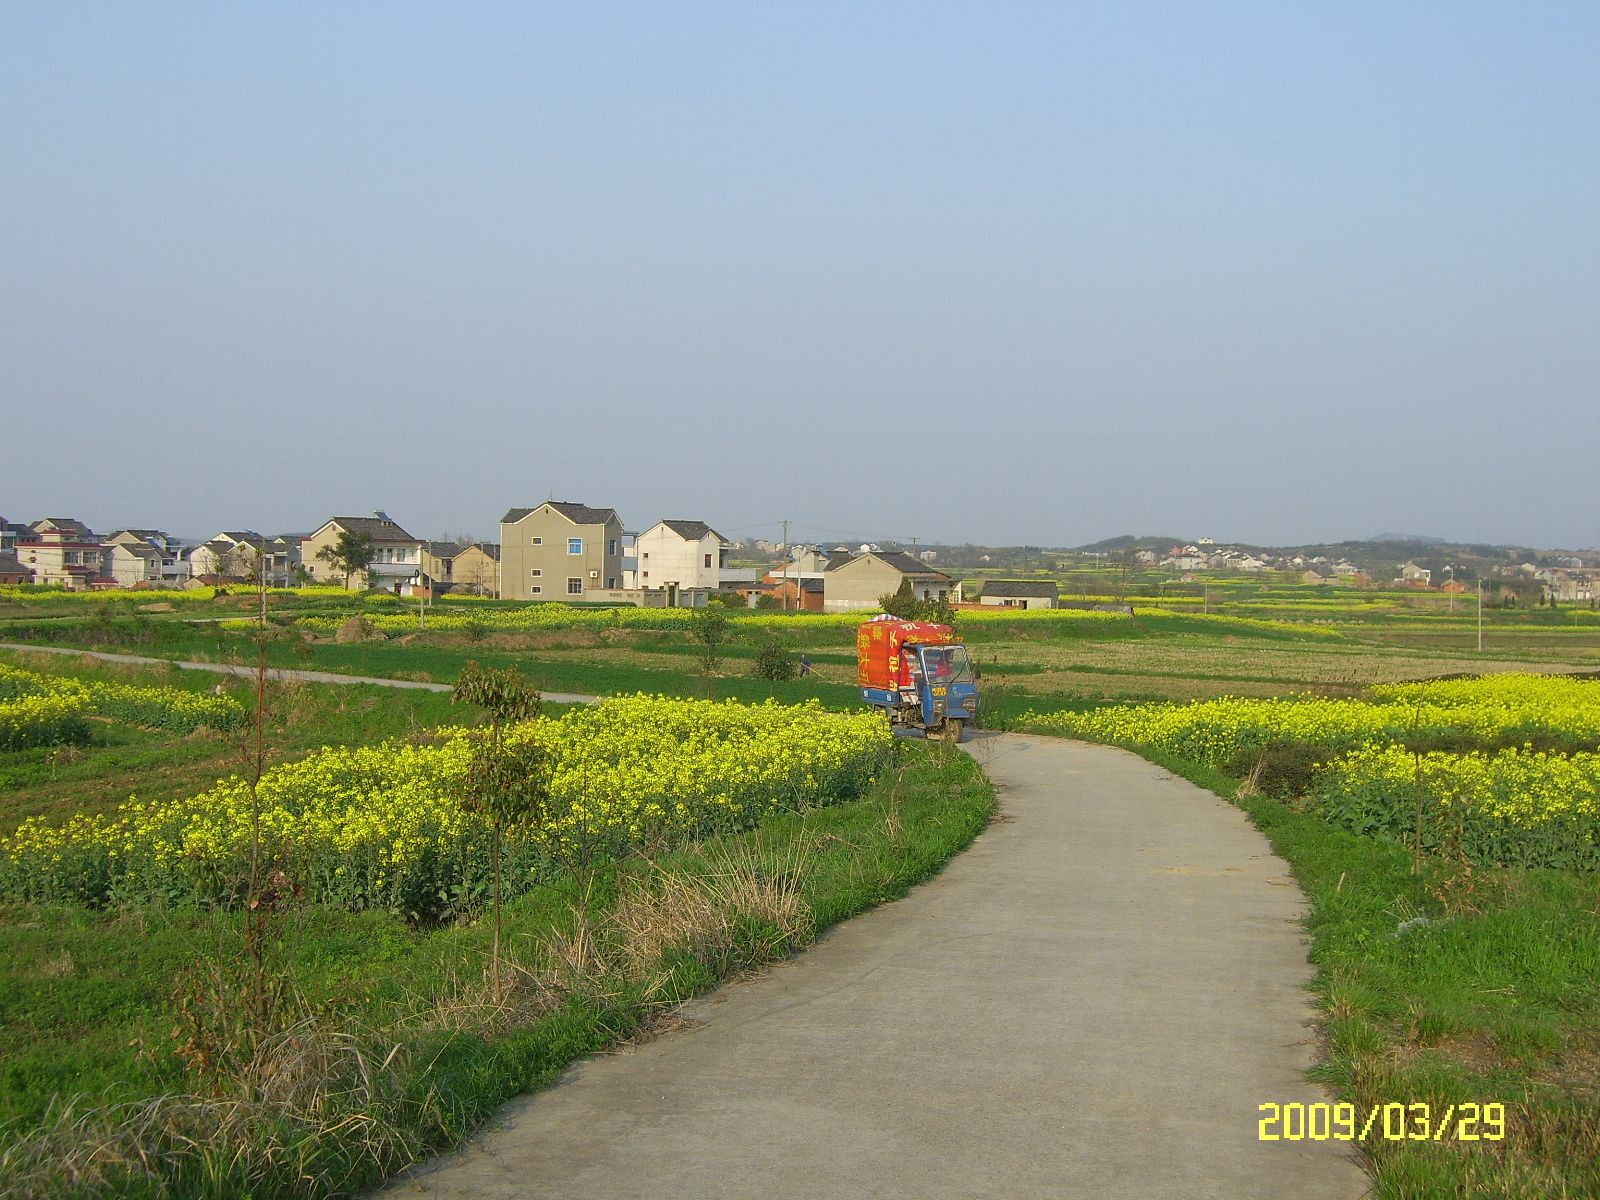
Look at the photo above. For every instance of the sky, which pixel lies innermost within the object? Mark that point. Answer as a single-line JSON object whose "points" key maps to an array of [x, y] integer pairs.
{"points": [[1001, 273]]}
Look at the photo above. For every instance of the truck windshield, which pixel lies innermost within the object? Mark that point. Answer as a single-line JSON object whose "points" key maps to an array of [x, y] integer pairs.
{"points": [[947, 664]]}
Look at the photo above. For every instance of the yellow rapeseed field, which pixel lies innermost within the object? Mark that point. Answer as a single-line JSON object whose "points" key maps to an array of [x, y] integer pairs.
{"points": [[1518, 782], [383, 826]]}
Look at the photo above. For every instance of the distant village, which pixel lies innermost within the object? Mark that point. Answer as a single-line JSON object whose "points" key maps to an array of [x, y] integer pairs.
{"points": [[566, 551], [558, 550]]}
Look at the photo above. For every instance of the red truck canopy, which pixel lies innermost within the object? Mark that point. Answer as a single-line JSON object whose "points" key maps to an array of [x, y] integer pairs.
{"points": [[879, 663]]}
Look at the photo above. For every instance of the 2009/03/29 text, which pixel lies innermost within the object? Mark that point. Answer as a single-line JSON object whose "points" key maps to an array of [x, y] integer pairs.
{"points": [[1416, 1122]]}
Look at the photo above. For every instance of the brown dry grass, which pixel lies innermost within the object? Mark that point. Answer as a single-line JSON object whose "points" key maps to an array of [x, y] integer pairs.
{"points": [[307, 1095], [658, 911]]}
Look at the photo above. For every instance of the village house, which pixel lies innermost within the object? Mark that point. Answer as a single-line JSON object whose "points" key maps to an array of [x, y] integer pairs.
{"points": [[64, 553], [1414, 575], [12, 534], [1020, 593], [237, 555], [438, 563], [477, 569], [12, 572], [1567, 586], [559, 550], [134, 558], [681, 555], [861, 580], [396, 555]]}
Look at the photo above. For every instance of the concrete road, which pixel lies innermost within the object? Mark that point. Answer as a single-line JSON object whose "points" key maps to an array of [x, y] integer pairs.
{"points": [[1092, 1002], [272, 672]]}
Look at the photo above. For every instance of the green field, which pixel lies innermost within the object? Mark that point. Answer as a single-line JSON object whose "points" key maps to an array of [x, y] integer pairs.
{"points": [[1495, 1000]]}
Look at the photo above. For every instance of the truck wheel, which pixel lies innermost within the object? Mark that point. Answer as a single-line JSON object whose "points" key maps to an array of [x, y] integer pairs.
{"points": [[954, 727]]}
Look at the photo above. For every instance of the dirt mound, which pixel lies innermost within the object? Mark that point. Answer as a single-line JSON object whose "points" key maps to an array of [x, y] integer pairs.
{"points": [[160, 606], [354, 629]]}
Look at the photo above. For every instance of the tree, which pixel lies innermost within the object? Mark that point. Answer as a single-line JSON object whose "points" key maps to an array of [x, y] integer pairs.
{"points": [[710, 629], [773, 661], [507, 784], [905, 605], [902, 603], [226, 561], [350, 554]]}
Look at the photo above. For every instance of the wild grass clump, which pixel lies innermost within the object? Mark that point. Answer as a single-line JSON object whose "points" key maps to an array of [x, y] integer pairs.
{"points": [[314, 1110]]}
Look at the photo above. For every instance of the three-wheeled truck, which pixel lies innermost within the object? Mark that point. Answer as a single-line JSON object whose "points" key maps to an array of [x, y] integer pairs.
{"points": [[918, 673]]}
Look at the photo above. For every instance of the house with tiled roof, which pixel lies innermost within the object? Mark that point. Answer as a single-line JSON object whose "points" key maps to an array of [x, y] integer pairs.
{"points": [[559, 550], [396, 555], [239, 554], [476, 569], [147, 558], [11, 534], [64, 553], [859, 581], [133, 558], [12, 572], [681, 555], [1020, 593], [438, 563]]}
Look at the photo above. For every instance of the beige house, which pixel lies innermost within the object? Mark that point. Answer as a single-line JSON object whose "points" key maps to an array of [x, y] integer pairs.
{"points": [[477, 569], [396, 558], [859, 582], [559, 550], [63, 553], [680, 556], [438, 562]]}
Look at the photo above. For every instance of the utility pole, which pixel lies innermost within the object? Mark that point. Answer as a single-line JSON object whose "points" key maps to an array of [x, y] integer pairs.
{"points": [[785, 566], [1480, 616]]}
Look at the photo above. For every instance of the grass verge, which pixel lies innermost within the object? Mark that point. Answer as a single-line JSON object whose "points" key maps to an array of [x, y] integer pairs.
{"points": [[1444, 988], [397, 1042]]}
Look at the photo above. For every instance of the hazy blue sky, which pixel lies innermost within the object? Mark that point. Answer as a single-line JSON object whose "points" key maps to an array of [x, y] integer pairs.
{"points": [[990, 272]]}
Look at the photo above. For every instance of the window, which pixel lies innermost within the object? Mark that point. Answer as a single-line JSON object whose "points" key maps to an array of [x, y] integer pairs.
{"points": [[574, 585], [647, 554], [536, 589], [611, 546], [611, 581], [535, 573], [708, 560], [538, 541], [574, 545]]}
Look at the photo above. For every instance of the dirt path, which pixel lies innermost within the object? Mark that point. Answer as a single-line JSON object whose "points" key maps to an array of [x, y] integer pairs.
{"points": [[1092, 1001], [272, 672]]}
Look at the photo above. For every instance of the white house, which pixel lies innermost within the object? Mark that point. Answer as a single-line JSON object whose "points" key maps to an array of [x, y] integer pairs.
{"points": [[681, 555], [1020, 593], [233, 554], [147, 556]]}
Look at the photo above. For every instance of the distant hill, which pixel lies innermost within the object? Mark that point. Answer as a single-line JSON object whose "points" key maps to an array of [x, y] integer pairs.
{"points": [[1415, 538], [1123, 541]]}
